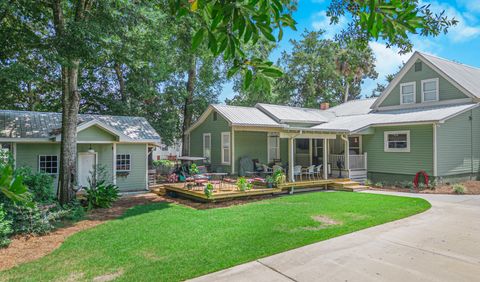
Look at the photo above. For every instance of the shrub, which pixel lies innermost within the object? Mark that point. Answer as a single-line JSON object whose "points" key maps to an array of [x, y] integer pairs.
{"points": [[30, 220], [368, 182], [5, 228], [278, 177], [164, 166], [379, 184], [102, 195], [407, 184], [39, 184], [459, 189], [208, 190]]}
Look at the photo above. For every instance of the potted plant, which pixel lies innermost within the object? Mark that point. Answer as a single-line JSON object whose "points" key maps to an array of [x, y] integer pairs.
{"points": [[194, 169], [208, 190], [278, 177], [270, 181], [243, 185]]}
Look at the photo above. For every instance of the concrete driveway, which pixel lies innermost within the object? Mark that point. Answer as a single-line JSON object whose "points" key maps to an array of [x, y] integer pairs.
{"points": [[441, 244]]}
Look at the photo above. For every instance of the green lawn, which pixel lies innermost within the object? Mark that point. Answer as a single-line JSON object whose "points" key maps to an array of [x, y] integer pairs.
{"points": [[167, 242]]}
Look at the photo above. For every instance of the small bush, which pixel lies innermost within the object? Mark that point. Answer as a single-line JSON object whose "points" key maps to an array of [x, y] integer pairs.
{"points": [[30, 220], [5, 228], [379, 184], [102, 195], [459, 189], [368, 182], [39, 184]]}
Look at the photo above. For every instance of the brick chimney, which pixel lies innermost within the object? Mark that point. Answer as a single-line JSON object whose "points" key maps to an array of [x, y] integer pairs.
{"points": [[324, 106]]}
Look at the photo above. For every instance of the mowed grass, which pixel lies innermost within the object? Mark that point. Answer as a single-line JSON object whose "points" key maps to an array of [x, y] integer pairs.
{"points": [[167, 242]]}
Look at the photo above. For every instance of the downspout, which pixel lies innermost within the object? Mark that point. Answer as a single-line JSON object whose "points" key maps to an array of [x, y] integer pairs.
{"points": [[471, 143]]}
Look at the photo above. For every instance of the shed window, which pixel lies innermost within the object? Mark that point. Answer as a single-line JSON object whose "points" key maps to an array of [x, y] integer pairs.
{"points": [[418, 66], [123, 162], [430, 90], [397, 141], [407, 93], [48, 164], [226, 148]]}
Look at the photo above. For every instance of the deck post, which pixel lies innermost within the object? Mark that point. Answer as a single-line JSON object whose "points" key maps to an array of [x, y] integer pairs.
{"points": [[325, 158], [291, 159], [232, 143]]}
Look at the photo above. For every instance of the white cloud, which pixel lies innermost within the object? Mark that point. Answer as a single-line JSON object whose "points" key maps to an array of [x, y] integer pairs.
{"points": [[387, 59], [321, 21], [471, 5]]}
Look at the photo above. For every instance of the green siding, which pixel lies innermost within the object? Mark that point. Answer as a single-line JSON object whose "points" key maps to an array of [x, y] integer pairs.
{"points": [[419, 158], [215, 128], [250, 144], [136, 179], [95, 133], [284, 151], [447, 90], [27, 155], [458, 145], [104, 156]]}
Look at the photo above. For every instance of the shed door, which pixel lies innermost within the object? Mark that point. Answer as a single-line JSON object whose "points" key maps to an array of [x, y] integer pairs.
{"points": [[86, 165]]}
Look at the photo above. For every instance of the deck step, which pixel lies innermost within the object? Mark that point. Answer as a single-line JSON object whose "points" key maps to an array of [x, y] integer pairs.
{"points": [[358, 187]]}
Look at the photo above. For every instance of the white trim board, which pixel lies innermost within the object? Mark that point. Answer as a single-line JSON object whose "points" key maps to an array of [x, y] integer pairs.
{"points": [[386, 149], [437, 94]]}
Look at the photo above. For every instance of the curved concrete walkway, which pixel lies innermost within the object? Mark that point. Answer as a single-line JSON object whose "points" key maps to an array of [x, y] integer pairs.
{"points": [[441, 244]]}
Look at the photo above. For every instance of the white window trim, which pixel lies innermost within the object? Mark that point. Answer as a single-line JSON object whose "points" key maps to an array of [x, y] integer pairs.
{"points": [[273, 134], [414, 92], [124, 170], [385, 141], [360, 151], [436, 94], [209, 145], [229, 147], [58, 164]]}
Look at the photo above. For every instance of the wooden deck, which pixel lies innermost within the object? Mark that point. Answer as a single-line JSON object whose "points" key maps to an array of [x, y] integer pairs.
{"points": [[229, 191]]}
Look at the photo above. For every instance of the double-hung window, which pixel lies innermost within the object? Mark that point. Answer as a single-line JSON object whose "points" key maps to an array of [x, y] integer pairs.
{"points": [[123, 162], [430, 90], [226, 148], [397, 141], [273, 147], [407, 93], [48, 164], [207, 146]]}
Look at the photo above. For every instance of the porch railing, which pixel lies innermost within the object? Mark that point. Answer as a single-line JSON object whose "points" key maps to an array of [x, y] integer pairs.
{"points": [[355, 161]]}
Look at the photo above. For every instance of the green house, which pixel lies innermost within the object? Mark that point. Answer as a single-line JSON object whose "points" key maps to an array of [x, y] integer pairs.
{"points": [[119, 145], [427, 119]]}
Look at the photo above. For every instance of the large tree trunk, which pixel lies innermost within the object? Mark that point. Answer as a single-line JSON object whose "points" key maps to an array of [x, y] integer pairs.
{"points": [[187, 107], [347, 89], [121, 84], [70, 102], [68, 153]]}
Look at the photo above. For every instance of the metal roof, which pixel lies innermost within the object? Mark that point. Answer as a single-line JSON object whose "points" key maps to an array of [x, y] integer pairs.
{"points": [[353, 107], [24, 124], [355, 123], [245, 116], [287, 114], [466, 76]]}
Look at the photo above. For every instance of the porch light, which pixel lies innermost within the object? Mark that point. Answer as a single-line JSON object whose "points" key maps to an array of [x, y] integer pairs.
{"points": [[91, 150]]}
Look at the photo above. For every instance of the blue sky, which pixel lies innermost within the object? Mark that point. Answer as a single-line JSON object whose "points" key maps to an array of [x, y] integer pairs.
{"points": [[461, 44]]}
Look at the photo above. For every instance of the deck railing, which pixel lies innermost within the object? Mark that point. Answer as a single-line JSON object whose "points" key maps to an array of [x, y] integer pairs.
{"points": [[355, 161]]}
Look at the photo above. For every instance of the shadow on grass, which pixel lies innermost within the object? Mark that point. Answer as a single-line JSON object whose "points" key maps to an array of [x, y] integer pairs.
{"points": [[143, 209]]}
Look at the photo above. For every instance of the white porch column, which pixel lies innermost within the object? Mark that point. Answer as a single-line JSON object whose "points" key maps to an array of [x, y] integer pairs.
{"points": [[325, 158], [347, 153], [291, 159], [232, 142], [114, 161]]}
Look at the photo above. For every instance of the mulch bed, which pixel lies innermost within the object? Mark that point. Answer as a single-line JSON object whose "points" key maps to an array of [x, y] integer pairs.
{"points": [[23, 249], [471, 188]]}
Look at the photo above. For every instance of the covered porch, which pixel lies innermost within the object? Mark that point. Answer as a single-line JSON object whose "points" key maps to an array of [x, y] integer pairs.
{"points": [[330, 155]]}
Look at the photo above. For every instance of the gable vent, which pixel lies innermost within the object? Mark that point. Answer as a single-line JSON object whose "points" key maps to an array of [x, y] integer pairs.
{"points": [[418, 66]]}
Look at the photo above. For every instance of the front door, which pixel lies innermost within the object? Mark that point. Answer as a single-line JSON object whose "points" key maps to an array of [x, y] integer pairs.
{"points": [[86, 166]]}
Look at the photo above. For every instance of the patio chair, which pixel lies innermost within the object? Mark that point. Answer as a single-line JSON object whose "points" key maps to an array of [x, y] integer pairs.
{"points": [[297, 171], [309, 171], [266, 169], [277, 167], [318, 171]]}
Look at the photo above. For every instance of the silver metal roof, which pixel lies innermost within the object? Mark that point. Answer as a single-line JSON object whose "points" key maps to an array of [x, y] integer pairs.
{"points": [[24, 124], [354, 123], [245, 116], [467, 76], [353, 107], [287, 114]]}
